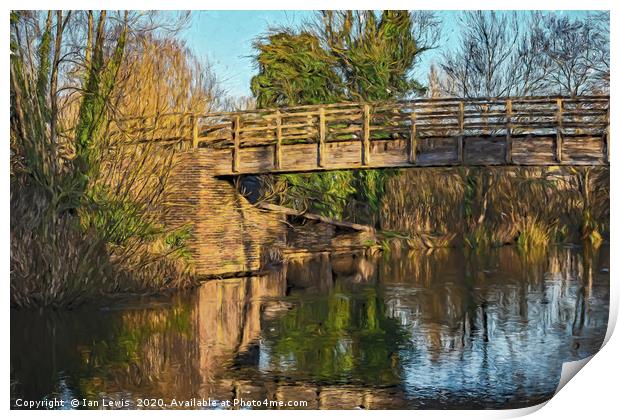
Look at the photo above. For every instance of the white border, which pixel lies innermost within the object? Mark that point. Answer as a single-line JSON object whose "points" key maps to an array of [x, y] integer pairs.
{"points": [[593, 394]]}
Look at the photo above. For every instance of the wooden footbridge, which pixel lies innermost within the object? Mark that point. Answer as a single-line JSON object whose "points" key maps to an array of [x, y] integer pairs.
{"points": [[229, 235], [418, 133]]}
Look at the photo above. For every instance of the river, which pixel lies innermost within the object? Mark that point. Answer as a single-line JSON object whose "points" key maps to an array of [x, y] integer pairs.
{"points": [[451, 328]]}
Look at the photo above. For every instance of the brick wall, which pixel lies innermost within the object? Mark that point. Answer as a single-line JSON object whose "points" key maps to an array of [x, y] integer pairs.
{"points": [[229, 235]]}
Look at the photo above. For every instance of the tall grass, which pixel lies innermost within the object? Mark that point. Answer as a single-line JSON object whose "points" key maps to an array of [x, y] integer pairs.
{"points": [[481, 207]]}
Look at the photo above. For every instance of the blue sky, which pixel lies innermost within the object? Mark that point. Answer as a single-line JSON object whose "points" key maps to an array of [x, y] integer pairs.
{"points": [[224, 39]]}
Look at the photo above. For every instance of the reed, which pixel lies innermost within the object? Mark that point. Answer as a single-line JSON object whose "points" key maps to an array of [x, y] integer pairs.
{"points": [[530, 207]]}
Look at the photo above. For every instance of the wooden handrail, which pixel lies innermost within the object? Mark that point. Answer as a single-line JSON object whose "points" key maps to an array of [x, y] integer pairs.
{"points": [[236, 143], [278, 149], [508, 156], [430, 101]]}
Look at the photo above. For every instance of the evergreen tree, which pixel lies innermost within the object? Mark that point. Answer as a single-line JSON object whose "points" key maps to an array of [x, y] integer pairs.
{"points": [[341, 56]]}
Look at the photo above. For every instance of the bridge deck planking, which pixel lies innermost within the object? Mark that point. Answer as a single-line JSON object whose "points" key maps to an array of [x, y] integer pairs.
{"points": [[435, 152]]}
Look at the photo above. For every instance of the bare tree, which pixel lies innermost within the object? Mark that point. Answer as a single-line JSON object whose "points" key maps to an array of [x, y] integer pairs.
{"points": [[480, 64], [579, 50], [529, 66], [426, 30], [434, 89], [600, 20], [507, 54]]}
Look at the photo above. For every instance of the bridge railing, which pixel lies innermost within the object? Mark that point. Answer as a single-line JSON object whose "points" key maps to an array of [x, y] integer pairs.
{"points": [[369, 123]]}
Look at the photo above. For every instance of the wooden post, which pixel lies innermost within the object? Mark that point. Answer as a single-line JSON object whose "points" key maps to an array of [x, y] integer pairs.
{"points": [[485, 113], [277, 157], [320, 149], [508, 156], [413, 139], [236, 143], [194, 131], [606, 139], [366, 137], [459, 151], [559, 133]]}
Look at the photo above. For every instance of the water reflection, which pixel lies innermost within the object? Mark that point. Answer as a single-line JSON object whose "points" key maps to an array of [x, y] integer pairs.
{"points": [[449, 329]]}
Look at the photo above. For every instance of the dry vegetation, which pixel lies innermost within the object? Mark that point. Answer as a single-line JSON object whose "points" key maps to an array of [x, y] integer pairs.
{"points": [[480, 207], [85, 203]]}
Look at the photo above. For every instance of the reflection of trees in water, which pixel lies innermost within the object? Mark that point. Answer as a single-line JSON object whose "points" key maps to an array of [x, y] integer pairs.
{"points": [[88, 354], [343, 335], [450, 288], [348, 329], [497, 313]]}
